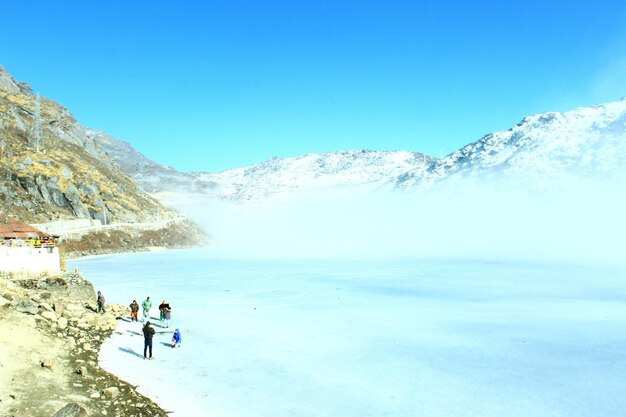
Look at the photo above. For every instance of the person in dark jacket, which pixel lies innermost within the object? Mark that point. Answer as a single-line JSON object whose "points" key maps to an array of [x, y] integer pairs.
{"points": [[148, 333], [166, 313], [177, 338], [134, 309], [100, 302]]}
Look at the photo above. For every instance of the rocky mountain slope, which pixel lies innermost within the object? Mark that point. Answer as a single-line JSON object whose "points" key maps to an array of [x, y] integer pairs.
{"points": [[152, 175], [50, 167]]}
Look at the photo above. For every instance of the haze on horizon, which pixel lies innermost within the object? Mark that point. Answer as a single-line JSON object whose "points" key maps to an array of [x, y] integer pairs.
{"points": [[212, 86], [507, 220]]}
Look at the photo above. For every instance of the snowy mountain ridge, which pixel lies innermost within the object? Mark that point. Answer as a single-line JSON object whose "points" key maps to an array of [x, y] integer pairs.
{"points": [[584, 142], [317, 170], [581, 143]]}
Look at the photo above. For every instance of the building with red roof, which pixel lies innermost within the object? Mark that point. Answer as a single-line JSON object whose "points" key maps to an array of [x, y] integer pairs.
{"points": [[26, 249]]}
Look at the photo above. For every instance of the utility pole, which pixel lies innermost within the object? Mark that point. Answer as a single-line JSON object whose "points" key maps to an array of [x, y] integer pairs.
{"points": [[104, 213], [35, 131]]}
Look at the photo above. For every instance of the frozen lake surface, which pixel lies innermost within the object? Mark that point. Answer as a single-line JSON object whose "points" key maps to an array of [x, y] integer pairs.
{"points": [[357, 339]]}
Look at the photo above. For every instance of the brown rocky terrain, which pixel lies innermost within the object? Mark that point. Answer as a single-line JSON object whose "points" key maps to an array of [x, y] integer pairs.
{"points": [[181, 235], [50, 168], [49, 355]]}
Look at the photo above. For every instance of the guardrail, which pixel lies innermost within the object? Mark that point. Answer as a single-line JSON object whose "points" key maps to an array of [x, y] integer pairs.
{"points": [[77, 232]]}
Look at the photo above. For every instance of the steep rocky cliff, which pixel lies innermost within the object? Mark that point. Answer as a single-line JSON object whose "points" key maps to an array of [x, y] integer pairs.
{"points": [[50, 168]]}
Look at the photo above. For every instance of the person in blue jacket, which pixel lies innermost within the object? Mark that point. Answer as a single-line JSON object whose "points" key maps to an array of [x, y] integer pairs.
{"points": [[177, 339]]}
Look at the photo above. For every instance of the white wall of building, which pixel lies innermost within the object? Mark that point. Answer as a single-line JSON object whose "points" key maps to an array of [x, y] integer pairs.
{"points": [[29, 260]]}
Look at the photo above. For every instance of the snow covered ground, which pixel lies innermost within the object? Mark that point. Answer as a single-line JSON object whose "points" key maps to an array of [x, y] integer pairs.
{"points": [[396, 339]]}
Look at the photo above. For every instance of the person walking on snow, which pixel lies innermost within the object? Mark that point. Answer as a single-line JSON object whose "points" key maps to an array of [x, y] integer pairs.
{"points": [[134, 309], [100, 303], [148, 333], [177, 339], [147, 305]]}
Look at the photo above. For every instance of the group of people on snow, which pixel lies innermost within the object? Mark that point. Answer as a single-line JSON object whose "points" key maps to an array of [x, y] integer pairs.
{"points": [[165, 315]]}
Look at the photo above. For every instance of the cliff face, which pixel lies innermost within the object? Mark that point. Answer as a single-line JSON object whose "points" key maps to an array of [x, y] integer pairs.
{"points": [[50, 168]]}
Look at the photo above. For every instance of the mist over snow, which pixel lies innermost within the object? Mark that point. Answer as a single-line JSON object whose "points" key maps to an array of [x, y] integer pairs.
{"points": [[570, 220], [550, 188]]}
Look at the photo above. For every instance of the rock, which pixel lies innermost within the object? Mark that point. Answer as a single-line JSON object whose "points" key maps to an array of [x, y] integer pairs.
{"points": [[73, 311], [95, 395], [84, 324], [72, 195], [43, 189], [66, 172], [59, 307], [4, 302], [46, 306], [29, 185], [47, 363], [71, 410], [15, 300], [55, 193], [62, 323], [82, 371], [49, 315], [27, 307], [71, 343], [111, 392]]}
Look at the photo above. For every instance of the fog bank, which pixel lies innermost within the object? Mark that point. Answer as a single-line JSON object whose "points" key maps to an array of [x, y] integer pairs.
{"points": [[505, 220]]}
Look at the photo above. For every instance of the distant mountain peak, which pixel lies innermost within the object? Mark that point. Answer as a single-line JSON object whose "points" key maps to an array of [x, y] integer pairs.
{"points": [[585, 141]]}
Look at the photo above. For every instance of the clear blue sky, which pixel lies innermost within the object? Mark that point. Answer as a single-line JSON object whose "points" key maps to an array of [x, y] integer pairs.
{"points": [[211, 85]]}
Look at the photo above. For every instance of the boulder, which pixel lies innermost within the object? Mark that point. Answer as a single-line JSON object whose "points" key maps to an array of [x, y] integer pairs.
{"points": [[40, 181], [73, 197], [73, 311], [4, 302], [49, 315], [71, 410], [15, 300], [111, 392], [82, 371], [62, 323], [27, 307], [47, 363]]}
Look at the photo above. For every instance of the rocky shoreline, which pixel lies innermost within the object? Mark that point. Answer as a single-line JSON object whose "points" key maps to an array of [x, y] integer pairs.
{"points": [[49, 356]]}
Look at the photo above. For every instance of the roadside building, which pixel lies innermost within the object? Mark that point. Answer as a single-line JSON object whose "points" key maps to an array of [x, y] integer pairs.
{"points": [[26, 249]]}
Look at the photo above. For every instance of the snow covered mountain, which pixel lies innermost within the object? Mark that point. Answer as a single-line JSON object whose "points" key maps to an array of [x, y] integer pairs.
{"points": [[314, 171], [584, 143]]}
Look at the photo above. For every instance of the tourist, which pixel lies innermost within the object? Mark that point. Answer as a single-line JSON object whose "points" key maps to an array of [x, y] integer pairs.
{"points": [[100, 303], [147, 305], [134, 309], [162, 311], [148, 333], [166, 312], [177, 339]]}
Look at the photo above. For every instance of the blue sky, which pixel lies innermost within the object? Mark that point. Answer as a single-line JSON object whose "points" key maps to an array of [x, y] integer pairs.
{"points": [[213, 85]]}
